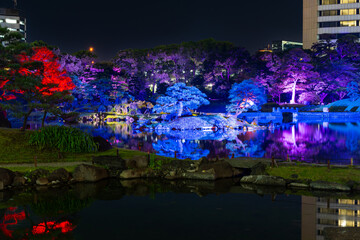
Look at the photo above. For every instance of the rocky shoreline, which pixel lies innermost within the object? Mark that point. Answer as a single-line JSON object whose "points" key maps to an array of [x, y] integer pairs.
{"points": [[249, 172]]}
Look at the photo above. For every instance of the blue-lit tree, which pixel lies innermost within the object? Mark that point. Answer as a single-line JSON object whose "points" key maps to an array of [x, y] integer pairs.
{"points": [[180, 100], [245, 95], [353, 90]]}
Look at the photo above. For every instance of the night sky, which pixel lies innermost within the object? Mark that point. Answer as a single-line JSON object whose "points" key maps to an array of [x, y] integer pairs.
{"points": [[110, 26]]}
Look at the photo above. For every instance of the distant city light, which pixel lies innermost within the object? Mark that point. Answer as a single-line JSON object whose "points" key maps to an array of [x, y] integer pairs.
{"points": [[91, 49], [12, 21]]}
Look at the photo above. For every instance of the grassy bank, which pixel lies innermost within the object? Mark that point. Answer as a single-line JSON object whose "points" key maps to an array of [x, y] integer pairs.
{"points": [[304, 173], [14, 148]]}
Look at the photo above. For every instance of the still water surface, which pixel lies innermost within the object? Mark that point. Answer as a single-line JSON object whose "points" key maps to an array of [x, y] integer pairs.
{"points": [[131, 210], [171, 210], [310, 142]]}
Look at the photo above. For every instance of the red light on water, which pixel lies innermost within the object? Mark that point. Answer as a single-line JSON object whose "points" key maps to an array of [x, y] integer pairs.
{"points": [[42, 228], [11, 219]]}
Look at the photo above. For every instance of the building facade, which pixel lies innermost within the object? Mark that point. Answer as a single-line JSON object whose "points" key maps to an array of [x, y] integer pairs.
{"points": [[320, 213], [13, 20], [329, 19]]}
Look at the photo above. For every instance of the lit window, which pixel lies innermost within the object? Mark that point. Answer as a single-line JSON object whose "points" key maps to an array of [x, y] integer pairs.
{"points": [[12, 29], [22, 23], [347, 1], [346, 212], [348, 23], [346, 201], [345, 223], [327, 2], [329, 13], [348, 12], [1, 20], [12, 21]]}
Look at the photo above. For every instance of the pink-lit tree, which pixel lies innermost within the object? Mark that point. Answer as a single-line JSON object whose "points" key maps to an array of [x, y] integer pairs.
{"points": [[297, 72]]}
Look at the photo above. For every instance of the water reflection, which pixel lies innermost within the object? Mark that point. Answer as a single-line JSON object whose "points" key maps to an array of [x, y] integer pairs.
{"points": [[310, 142], [319, 213], [138, 209], [337, 142]]}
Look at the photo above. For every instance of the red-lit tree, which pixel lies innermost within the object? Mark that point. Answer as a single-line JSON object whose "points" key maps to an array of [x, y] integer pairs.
{"points": [[34, 80]]}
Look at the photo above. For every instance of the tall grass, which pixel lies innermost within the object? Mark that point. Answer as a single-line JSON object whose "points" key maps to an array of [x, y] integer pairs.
{"points": [[64, 139]]}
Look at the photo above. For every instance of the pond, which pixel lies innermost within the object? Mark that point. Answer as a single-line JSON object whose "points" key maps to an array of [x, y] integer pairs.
{"points": [[308, 142], [170, 210]]}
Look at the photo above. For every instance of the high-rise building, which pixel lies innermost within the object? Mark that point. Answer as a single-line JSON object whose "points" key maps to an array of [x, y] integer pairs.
{"points": [[320, 213], [332, 19], [13, 20]]}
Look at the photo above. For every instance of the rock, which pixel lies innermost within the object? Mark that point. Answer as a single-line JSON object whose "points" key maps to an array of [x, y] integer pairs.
{"points": [[222, 169], [247, 163], [6, 176], [42, 181], [203, 160], [172, 173], [299, 185], [137, 162], [264, 180], [133, 173], [60, 175], [88, 173], [4, 122], [38, 173], [208, 176], [1, 185], [110, 161], [329, 186], [102, 143], [259, 169], [19, 181]]}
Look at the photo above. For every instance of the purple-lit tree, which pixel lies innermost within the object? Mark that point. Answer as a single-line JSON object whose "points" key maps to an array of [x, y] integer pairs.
{"points": [[270, 76], [82, 73], [226, 65], [337, 65], [129, 65], [298, 72]]}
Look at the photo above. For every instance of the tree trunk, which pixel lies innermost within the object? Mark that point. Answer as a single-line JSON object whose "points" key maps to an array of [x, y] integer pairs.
{"points": [[292, 101], [43, 119], [26, 119], [322, 98], [154, 87], [180, 109]]}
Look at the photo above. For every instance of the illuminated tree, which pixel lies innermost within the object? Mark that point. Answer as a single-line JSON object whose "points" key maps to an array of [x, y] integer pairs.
{"points": [[298, 72], [245, 95], [353, 90], [270, 76], [35, 80], [180, 99]]}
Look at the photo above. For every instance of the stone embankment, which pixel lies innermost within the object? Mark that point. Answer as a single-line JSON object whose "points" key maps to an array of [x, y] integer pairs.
{"points": [[251, 172]]}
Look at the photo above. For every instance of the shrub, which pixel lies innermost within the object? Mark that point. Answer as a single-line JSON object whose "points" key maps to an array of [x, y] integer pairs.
{"points": [[354, 109], [337, 108], [64, 139], [268, 107]]}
